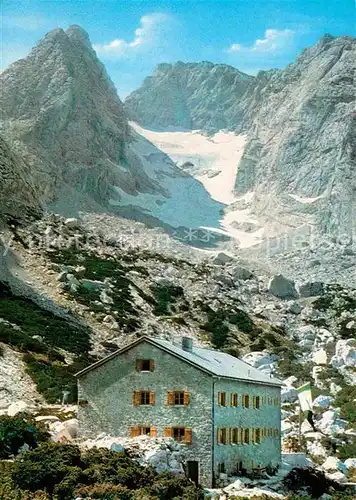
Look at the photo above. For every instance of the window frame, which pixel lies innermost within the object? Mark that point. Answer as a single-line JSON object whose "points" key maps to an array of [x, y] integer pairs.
{"points": [[246, 397], [222, 435], [234, 399], [150, 365], [178, 395], [182, 430], [222, 398]]}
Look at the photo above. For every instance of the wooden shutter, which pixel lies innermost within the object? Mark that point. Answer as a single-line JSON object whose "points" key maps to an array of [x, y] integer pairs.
{"points": [[134, 431], [188, 435], [153, 431], [186, 398], [152, 398], [136, 398], [152, 365], [218, 435], [170, 398], [139, 365], [168, 432]]}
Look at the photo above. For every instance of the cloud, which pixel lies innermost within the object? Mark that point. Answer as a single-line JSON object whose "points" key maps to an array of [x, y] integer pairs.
{"points": [[274, 41], [146, 36]]}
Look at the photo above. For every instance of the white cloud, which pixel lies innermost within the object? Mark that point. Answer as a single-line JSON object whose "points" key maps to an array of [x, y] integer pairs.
{"points": [[274, 41], [146, 36]]}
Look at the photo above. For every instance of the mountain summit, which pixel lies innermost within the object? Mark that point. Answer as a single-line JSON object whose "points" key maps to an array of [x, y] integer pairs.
{"points": [[188, 96], [62, 115]]}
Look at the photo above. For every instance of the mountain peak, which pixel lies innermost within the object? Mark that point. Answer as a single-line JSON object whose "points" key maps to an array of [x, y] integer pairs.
{"points": [[78, 34]]}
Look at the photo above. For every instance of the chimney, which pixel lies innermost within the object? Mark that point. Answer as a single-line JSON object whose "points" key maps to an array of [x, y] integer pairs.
{"points": [[187, 344]]}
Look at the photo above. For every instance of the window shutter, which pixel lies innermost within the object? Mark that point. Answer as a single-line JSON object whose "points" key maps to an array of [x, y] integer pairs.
{"points": [[232, 399], [168, 432], [134, 431], [152, 365], [186, 398], [170, 398], [188, 434], [218, 436], [152, 398], [136, 398], [138, 365], [153, 431]]}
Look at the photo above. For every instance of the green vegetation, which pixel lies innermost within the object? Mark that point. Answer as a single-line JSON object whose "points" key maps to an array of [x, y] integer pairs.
{"points": [[100, 269], [166, 296], [52, 377], [18, 430], [45, 362], [62, 472], [33, 320], [312, 481]]}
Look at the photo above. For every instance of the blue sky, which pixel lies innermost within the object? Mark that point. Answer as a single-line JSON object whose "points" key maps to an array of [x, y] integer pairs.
{"points": [[132, 36]]}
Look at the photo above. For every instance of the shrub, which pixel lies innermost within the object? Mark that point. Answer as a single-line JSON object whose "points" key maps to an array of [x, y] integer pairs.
{"points": [[18, 430], [61, 471], [165, 296], [46, 467], [105, 491], [313, 481]]}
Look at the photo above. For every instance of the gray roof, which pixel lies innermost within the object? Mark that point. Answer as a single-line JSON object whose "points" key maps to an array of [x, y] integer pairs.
{"points": [[216, 363], [219, 363]]}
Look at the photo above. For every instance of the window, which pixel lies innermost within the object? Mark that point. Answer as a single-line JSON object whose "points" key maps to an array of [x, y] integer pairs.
{"points": [[246, 401], [257, 436], [178, 398], [145, 365], [234, 435], [221, 435], [143, 398], [221, 468], [256, 401], [181, 434], [222, 398], [246, 436], [275, 432], [239, 466], [234, 399], [143, 430]]}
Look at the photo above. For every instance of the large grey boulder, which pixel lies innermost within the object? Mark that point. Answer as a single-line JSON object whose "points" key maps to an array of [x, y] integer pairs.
{"points": [[241, 273], [281, 287], [311, 289]]}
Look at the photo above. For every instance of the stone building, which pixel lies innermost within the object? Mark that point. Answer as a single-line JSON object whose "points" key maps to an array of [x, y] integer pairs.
{"points": [[224, 410]]}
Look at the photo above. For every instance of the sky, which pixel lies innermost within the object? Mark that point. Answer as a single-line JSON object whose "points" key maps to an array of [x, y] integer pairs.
{"points": [[132, 36]]}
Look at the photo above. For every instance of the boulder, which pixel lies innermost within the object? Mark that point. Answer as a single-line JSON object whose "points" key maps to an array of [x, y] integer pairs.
{"points": [[72, 223], [241, 273], [105, 298], [289, 394], [331, 424], [323, 401], [345, 354], [320, 357], [350, 463], [338, 476], [222, 258], [311, 289], [93, 285], [15, 408], [283, 288], [333, 464]]}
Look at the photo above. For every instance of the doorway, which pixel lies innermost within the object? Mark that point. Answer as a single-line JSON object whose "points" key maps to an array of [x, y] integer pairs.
{"points": [[193, 470]]}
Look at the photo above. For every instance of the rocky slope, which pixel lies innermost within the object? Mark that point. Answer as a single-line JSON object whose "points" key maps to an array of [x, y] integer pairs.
{"points": [[61, 113], [188, 96], [300, 157]]}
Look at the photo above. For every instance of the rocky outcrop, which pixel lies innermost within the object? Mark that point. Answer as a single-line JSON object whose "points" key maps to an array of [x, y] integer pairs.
{"points": [[300, 154], [189, 96], [281, 287], [18, 190]]}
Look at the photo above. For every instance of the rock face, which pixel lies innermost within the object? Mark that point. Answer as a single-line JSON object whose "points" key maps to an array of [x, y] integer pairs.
{"points": [[301, 151], [18, 193], [61, 112], [189, 96]]}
